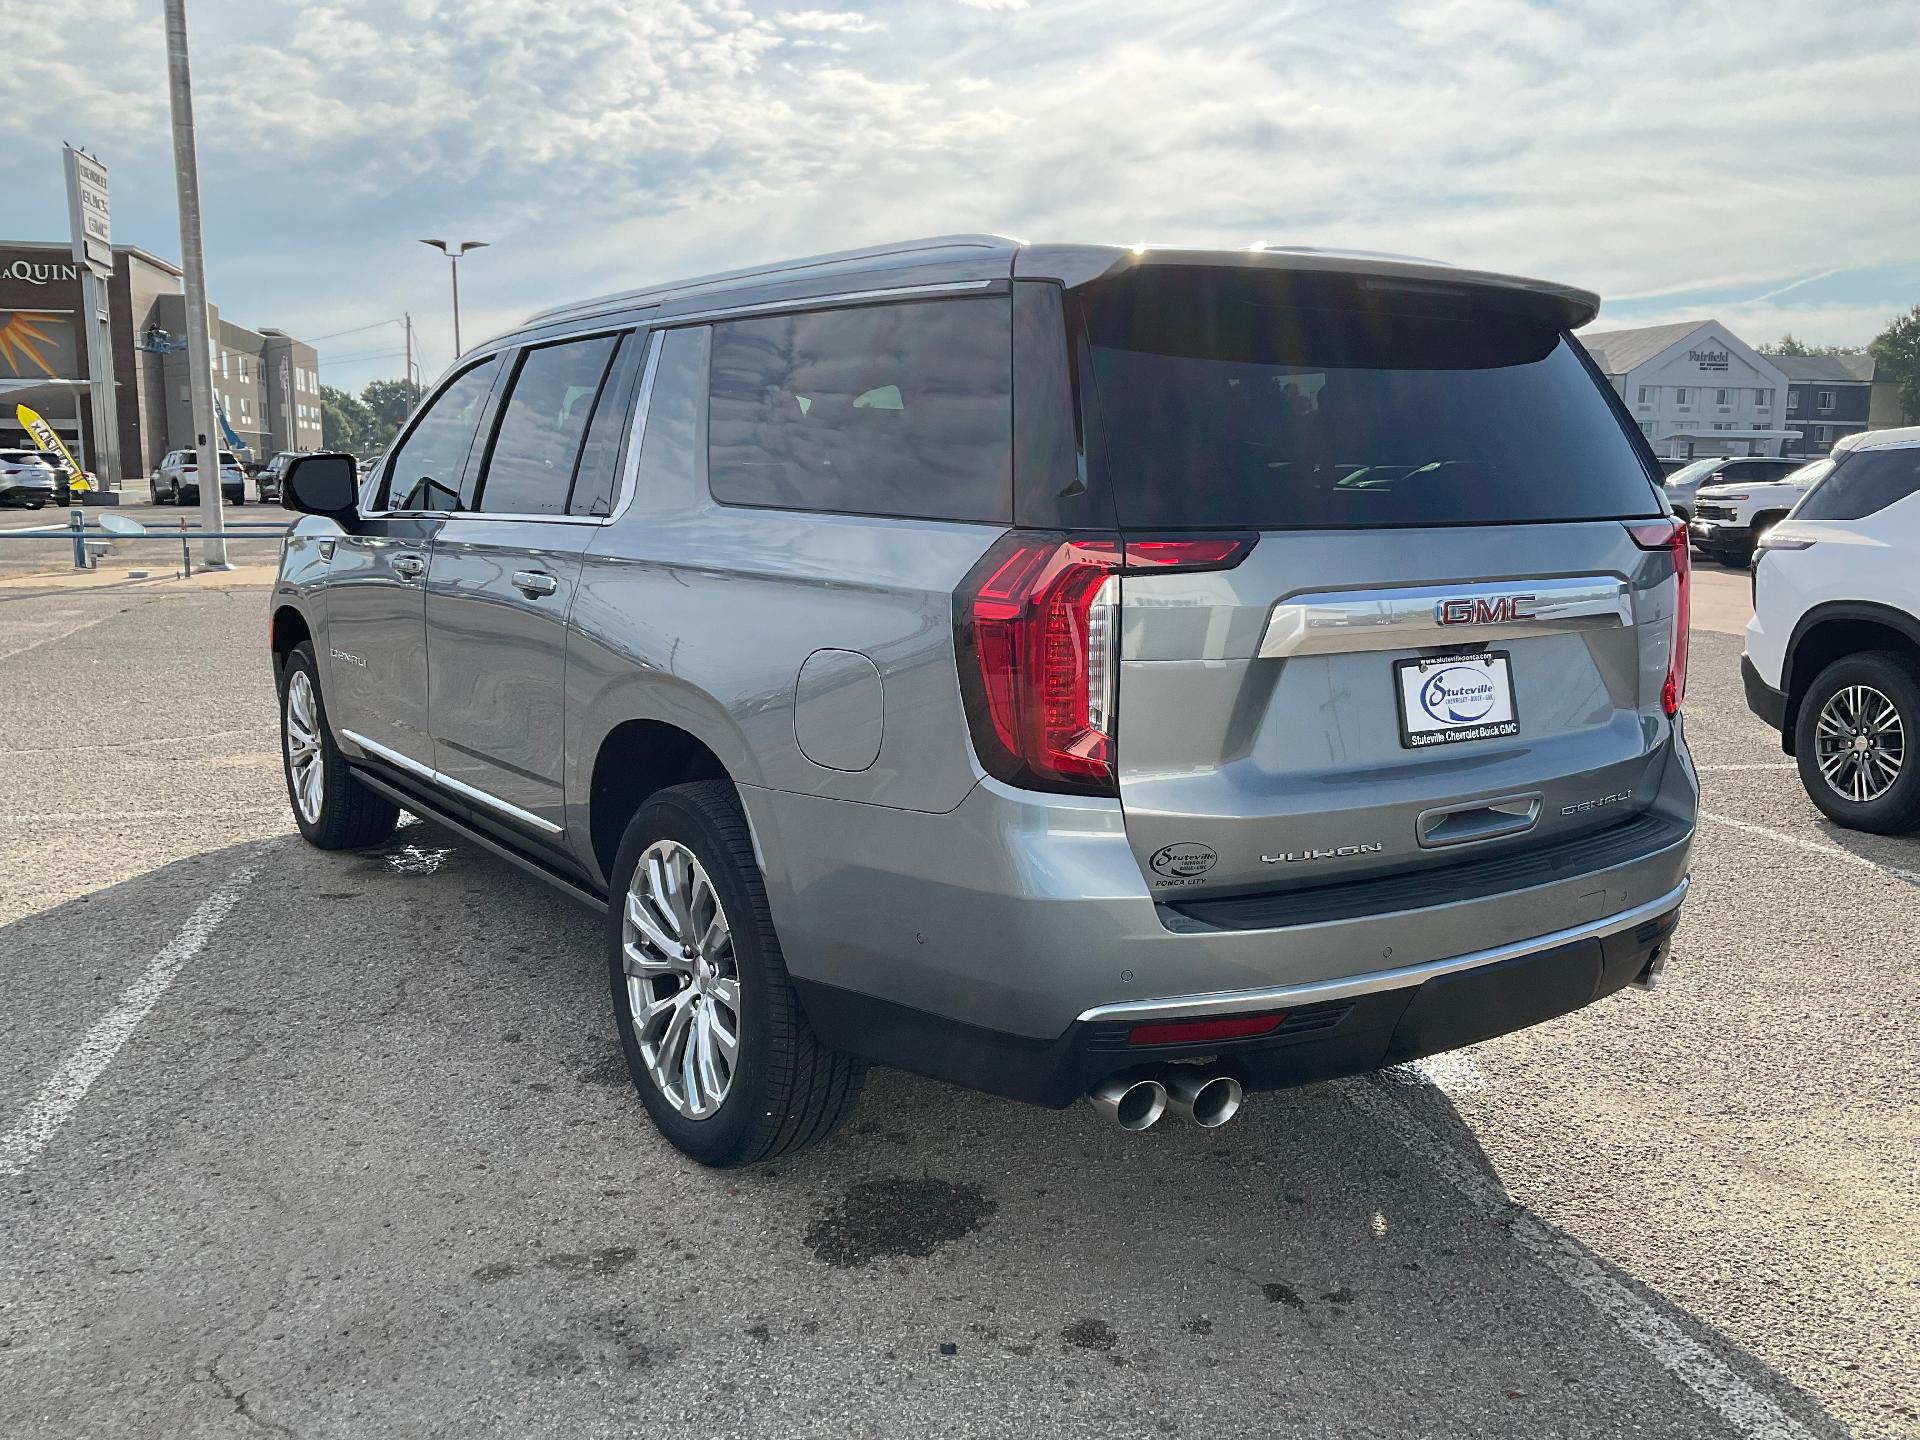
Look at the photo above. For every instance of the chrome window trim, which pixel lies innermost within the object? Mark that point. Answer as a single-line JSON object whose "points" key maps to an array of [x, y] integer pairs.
{"points": [[628, 469], [1348, 621], [459, 787], [1345, 987], [825, 302]]}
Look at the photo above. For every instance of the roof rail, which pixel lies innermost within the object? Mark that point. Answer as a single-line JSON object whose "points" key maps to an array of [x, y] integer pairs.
{"points": [[654, 293]]}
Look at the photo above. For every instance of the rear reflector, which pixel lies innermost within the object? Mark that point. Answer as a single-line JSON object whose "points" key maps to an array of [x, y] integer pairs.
{"points": [[1201, 1032]]}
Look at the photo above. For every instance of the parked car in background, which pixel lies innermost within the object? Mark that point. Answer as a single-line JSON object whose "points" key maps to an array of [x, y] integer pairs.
{"points": [[896, 709], [1670, 463], [26, 481], [1833, 650], [63, 475], [177, 481], [1730, 520], [1682, 485], [268, 480]]}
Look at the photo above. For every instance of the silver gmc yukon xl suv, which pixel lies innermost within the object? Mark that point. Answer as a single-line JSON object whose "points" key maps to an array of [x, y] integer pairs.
{"points": [[1057, 669]]}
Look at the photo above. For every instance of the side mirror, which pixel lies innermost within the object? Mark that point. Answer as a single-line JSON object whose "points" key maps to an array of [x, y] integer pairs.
{"points": [[326, 485]]}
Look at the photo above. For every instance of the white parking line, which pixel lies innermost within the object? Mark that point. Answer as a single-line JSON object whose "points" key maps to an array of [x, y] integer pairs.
{"points": [[68, 1085], [1686, 1359], [1818, 847], [1766, 765]]}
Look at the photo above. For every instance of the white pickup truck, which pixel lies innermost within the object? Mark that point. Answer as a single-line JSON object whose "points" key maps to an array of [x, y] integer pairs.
{"points": [[1729, 521]]}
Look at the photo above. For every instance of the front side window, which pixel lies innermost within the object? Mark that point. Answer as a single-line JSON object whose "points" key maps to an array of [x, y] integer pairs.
{"points": [[902, 410], [542, 425], [1862, 483], [426, 468]]}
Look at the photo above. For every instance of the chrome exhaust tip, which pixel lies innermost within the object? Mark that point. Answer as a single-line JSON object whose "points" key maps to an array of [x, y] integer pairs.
{"points": [[1133, 1102], [1206, 1097], [1649, 978]]}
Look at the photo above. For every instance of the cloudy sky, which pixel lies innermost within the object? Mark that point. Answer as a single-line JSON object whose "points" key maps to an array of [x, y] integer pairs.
{"points": [[1753, 160]]}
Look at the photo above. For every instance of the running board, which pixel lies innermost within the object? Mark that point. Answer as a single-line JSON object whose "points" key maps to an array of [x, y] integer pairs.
{"points": [[428, 810]]}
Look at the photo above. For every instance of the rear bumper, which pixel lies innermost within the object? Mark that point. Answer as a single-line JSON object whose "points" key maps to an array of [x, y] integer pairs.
{"points": [[1762, 699], [1006, 923], [1325, 1030], [26, 495]]}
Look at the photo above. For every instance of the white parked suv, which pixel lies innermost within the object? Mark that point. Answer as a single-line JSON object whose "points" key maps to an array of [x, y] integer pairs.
{"points": [[1833, 649], [1731, 518]]}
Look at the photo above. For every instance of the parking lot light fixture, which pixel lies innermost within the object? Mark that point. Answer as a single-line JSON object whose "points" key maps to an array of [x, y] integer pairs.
{"points": [[453, 254]]}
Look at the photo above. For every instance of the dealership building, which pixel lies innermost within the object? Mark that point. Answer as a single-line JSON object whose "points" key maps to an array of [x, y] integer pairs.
{"points": [[265, 383]]}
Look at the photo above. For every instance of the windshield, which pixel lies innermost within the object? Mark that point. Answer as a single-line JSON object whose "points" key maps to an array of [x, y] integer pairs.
{"points": [[1809, 475], [1229, 398], [1698, 470]]}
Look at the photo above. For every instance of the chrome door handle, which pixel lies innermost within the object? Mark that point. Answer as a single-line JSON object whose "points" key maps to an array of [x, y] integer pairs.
{"points": [[534, 583], [409, 567]]}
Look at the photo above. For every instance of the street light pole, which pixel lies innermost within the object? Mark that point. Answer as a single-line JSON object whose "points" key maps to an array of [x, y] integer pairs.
{"points": [[186, 169], [453, 254]]}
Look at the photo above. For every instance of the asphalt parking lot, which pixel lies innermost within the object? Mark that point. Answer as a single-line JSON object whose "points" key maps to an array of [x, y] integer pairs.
{"points": [[330, 1145]]}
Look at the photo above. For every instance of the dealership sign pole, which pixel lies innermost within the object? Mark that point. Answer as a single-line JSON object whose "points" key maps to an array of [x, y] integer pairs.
{"points": [[186, 170], [92, 224]]}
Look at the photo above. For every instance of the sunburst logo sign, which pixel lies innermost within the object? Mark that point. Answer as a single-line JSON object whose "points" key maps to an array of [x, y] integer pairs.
{"points": [[28, 338]]}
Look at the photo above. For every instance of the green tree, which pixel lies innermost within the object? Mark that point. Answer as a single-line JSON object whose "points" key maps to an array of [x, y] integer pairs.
{"points": [[1896, 356], [1787, 345], [344, 421], [388, 403]]}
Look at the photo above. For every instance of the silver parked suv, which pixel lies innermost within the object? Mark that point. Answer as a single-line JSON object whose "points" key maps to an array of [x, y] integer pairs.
{"points": [[1056, 669]]}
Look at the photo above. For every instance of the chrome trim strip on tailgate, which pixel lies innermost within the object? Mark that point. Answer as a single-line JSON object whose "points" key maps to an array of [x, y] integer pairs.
{"points": [[1341, 622], [440, 777], [1346, 987]]}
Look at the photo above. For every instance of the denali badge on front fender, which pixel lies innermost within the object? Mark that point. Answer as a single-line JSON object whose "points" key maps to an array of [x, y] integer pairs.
{"points": [[1338, 852]]}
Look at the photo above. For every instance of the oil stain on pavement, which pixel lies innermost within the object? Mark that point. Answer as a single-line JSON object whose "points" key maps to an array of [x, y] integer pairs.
{"points": [[896, 1216]]}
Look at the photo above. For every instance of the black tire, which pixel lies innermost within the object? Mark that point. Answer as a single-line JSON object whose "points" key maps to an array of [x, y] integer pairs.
{"points": [[1895, 811], [349, 815], [787, 1090]]}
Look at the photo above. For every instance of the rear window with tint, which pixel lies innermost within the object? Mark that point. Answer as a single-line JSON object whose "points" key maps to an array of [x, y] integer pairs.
{"points": [[1861, 483], [884, 410], [1234, 400]]}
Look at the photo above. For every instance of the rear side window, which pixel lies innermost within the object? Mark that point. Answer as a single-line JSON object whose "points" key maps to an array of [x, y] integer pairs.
{"points": [[1862, 483], [1236, 399], [593, 482], [543, 426], [426, 469], [899, 409]]}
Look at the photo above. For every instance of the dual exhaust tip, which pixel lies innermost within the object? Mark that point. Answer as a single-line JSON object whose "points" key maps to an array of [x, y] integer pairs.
{"points": [[1200, 1094]]}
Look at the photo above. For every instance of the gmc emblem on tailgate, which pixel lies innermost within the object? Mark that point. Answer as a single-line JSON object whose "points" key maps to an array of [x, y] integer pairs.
{"points": [[1493, 610]]}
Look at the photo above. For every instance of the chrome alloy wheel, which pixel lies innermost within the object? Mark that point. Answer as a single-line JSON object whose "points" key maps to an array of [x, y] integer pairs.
{"points": [[304, 761], [683, 986], [1859, 743]]}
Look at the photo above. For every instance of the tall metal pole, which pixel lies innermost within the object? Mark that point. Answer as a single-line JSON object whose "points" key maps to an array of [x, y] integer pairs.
{"points": [[453, 259], [406, 317], [186, 169]]}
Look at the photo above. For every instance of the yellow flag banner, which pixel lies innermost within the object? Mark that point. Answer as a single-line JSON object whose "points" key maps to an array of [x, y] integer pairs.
{"points": [[46, 438]]}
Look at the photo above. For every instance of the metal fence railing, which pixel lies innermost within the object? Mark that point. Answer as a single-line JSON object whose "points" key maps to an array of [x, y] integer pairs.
{"points": [[90, 541]]}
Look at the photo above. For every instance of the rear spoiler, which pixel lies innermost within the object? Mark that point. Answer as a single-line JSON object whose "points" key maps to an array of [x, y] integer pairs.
{"points": [[1076, 265]]}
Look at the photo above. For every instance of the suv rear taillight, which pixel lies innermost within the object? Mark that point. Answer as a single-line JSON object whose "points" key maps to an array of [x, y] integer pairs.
{"points": [[1671, 536], [1037, 633]]}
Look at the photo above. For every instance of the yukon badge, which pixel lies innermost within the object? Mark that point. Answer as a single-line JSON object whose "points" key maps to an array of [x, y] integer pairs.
{"points": [[1484, 610], [1338, 852]]}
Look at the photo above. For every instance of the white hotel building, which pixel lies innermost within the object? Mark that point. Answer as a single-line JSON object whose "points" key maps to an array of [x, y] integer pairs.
{"points": [[1695, 388]]}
